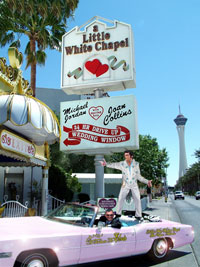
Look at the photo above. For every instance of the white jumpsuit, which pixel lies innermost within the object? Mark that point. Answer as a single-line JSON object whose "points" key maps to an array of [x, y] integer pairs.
{"points": [[130, 175]]}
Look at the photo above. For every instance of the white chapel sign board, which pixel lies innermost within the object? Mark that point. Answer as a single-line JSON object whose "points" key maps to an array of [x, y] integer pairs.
{"points": [[99, 56], [99, 126]]}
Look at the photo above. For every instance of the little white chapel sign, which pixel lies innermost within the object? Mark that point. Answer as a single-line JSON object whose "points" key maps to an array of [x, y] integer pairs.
{"points": [[98, 56]]}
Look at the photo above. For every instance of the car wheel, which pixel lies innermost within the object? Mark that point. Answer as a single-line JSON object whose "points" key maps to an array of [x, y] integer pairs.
{"points": [[36, 259], [183, 198], [159, 249]]}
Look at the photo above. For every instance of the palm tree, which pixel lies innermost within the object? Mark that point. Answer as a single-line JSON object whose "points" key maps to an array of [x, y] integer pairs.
{"points": [[42, 21]]}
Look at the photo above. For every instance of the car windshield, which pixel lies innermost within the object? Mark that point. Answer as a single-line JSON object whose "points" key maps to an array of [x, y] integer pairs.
{"points": [[75, 214], [179, 192]]}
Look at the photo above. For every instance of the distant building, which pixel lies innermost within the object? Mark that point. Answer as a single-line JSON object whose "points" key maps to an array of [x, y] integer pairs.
{"points": [[52, 97], [180, 121], [112, 184]]}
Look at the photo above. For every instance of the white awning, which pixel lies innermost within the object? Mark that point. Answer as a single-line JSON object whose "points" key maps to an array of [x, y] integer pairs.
{"points": [[19, 160], [30, 118]]}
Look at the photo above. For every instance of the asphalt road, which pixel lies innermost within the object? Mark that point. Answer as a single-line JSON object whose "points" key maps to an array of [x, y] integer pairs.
{"points": [[188, 211], [185, 211]]}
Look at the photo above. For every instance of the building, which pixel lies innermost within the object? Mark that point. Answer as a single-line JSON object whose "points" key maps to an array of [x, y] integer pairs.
{"points": [[52, 97], [180, 121], [27, 128], [112, 184], [17, 178]]}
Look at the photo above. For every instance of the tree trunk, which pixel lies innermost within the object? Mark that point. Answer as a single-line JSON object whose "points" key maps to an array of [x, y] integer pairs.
{"points": [[33, 66]]}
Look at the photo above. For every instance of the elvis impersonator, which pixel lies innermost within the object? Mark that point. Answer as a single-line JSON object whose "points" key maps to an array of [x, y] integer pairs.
{"points": [[130, 174]]}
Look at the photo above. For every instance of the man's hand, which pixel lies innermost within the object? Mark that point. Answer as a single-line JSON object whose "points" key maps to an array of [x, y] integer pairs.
{"points": [[103, 163], [149, 183]]}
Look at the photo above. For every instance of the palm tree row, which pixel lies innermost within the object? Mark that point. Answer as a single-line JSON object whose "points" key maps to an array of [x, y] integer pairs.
{"points": [[43, 21]]}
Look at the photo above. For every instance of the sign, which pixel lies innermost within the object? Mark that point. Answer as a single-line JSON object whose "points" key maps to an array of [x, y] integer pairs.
{"points": [[97, 239], [14, 143], [107, 203], [104, 125], [99, 56]]}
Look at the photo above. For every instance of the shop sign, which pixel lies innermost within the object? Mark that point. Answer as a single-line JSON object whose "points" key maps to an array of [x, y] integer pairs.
{"points": [[16, 144], [99, 56], [102, 125]]}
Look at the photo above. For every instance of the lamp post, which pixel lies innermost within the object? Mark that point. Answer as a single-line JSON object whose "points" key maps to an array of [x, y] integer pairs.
{"points": [[165, 189], [165, 185]]}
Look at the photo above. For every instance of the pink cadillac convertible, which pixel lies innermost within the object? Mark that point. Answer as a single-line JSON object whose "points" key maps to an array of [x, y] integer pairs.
{"points": [[70, 235]]}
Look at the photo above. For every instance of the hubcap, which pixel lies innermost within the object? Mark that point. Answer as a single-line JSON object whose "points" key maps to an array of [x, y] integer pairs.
{"points": [[36, 263], [161, 247]]}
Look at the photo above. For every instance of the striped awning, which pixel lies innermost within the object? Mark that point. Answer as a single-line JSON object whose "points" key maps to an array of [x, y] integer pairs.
{"points": [[14, 160], [30, 118]]}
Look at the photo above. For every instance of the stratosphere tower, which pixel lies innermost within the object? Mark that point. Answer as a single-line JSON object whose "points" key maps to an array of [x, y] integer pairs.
{"points": [[180, 121]]}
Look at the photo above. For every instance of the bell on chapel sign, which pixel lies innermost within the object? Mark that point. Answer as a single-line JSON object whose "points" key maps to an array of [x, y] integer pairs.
{"points": [[96, 55]]}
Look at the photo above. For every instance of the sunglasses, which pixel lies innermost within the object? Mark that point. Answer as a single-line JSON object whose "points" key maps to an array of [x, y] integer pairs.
{"points": [[109, 215]]}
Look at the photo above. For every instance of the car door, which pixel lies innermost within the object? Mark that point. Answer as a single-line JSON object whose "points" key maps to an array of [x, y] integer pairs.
{"points": [[69, 247], [107, 242]]}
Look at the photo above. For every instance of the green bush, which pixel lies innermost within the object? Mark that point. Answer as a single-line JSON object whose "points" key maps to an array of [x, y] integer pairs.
{"points": [[62, 185]]}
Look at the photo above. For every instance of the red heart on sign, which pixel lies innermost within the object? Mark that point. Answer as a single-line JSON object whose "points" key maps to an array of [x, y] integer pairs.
{"points": [[96, 112], [93, 65], [101, 70]]}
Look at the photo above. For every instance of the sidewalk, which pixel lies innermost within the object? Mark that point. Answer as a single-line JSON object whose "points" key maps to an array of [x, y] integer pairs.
{"points": [[159, 207]]}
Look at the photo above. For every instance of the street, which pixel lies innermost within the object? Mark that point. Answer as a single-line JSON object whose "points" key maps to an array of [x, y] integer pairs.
{"points": [[185, 211], [188, 212]]}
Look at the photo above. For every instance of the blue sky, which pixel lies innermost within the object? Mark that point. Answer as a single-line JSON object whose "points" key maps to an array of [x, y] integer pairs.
{"points": [[167, 57]]}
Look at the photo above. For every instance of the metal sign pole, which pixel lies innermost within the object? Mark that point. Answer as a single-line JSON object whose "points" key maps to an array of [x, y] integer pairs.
{"points": [[99, 169]]}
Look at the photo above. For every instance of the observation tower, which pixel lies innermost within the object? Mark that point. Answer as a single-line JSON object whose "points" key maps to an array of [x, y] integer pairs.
{"points": [[180, 121]]}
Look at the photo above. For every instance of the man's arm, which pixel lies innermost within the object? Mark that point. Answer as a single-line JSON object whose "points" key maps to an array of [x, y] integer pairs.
{"points": [[101, 219], [114, 165], [141, 178]]}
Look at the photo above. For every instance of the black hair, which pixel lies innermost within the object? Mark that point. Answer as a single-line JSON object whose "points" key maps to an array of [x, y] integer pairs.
{"points": [[129, 152], [109, 210]]}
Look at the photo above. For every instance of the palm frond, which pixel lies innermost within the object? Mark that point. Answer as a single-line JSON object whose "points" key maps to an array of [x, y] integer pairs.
{"points": [[30, 59], [16, 44], [27, 49], [6, 38], [41, 57]]}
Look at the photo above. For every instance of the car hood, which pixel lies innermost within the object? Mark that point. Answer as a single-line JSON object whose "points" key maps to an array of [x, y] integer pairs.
{"points": [[15, 228]]}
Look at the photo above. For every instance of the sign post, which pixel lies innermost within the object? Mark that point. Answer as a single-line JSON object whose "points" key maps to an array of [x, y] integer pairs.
{"points": [[99, 169]]}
